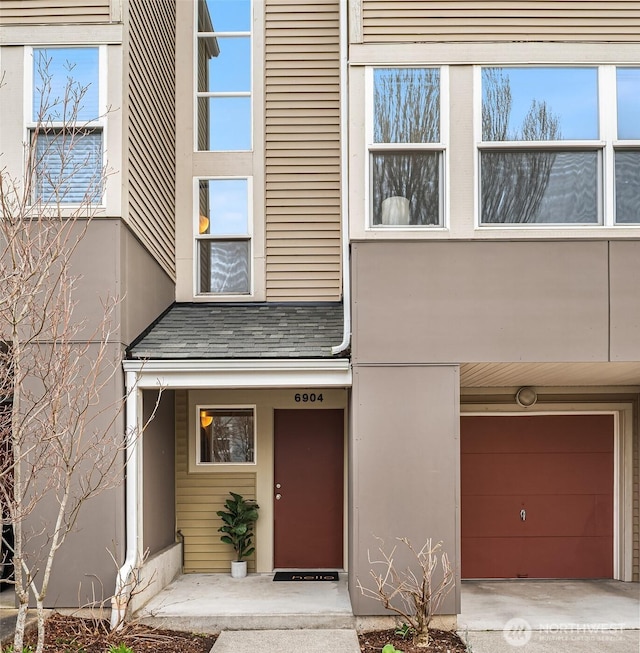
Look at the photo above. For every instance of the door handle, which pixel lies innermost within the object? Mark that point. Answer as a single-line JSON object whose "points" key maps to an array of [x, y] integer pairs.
{"points": [[278, 497], [523, 515]]}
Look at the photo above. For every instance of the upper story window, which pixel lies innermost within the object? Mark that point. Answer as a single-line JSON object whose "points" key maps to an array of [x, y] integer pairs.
{"points": [[548, 144], [65, 124], [223, 75], [223, 236], [627, 150], [406, 149]]}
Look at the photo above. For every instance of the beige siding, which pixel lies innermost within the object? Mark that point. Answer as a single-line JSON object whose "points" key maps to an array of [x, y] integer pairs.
{"points": [[385, 21], [151, 127], [198, 497], [302, 150], [36, 12]]}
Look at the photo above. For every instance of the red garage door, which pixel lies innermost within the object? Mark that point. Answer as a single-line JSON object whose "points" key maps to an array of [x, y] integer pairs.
{"points": [[537, 496]]}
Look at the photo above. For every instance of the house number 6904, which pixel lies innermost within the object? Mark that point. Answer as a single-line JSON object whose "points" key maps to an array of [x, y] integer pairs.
{"points": [[308, 397]]}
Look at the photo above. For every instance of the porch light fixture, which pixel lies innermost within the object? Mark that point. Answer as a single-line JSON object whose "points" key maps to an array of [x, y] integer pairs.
{"points": [[203, 224], [205, 420], [526, 397]]}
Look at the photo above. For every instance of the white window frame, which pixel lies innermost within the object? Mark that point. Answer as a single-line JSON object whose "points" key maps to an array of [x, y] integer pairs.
{"points": [[95, 125], [224, 466], [442, 147], [224, 237], [221, 94], [606, 144]]}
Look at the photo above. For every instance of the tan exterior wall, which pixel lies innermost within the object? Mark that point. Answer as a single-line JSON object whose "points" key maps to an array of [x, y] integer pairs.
{"points": [[158, 448], [200, 493], [404, 469], [35, 12], [389, 21], [302, 150], [150, 126]]}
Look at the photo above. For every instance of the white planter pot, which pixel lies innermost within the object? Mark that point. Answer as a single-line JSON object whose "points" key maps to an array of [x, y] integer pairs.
{"points": [[239, 569]]}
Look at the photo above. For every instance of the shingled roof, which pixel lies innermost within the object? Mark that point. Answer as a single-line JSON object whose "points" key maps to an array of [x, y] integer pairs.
{"points": [[266, 330]]}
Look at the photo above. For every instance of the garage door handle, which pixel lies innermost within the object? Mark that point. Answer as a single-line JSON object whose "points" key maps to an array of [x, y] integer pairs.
{"points": [[523, 514]]}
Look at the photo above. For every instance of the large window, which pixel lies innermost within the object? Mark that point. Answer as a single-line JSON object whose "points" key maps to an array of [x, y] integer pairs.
{"points": [[65, 125], [227, 435], [548, 144], [223, 75], [223, 238], [406, 151]]}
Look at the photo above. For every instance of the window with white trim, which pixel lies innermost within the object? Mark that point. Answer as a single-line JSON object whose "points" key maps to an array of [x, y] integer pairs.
{"points": [[627, 147], [549, 137], [405, 148], [227, 435], [223, 75], [65, 123], [223, 236]]}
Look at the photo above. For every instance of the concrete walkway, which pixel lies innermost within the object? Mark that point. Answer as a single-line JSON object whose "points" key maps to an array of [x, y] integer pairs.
{"points": [[287, 641], [550, 616]]}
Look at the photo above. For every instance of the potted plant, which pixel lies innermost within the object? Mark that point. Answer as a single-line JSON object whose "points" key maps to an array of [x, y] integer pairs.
{"points": [[239, 517]]}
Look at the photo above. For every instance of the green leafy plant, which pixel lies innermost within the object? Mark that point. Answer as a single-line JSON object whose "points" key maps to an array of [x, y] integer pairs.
{"points": [[390, 648], [239, 518], [405, 631], [121, 648], [10, 649]]}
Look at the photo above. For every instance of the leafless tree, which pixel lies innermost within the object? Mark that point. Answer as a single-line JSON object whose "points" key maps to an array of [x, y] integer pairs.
{"points": [[58, 435], [415, 593], [514, 182]]}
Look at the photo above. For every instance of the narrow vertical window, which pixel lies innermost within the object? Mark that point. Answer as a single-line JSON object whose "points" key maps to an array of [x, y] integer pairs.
{"points": [[65, 126], [223, 236], [223, 75], [627, 149], [405, 148]]}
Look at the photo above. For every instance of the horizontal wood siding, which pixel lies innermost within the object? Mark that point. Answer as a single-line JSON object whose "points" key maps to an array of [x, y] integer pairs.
{"points": [[387, 21], [302, 150], [198, 497], [151, 128], [39, 12]]}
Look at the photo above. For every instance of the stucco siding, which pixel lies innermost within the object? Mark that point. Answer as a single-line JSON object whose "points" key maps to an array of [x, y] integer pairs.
{"points": [[150, 127], [388, 21], [302, 150]]}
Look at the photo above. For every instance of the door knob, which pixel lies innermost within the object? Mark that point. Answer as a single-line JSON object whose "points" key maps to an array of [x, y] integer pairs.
{"points": [[278, 497], [523, 514]]}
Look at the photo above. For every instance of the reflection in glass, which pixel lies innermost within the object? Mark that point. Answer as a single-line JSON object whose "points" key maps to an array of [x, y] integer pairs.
{"points": [[548, 186], [226, 435], [628, 90], [406, 105], [224, 266], [628, 187], [230, 70], [225, 203], [528, 104], [411, 175], [225, 15], [65, 80], [224, 123]]}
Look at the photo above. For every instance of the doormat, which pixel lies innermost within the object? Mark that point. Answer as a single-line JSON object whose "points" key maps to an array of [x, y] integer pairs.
{"points": [[306, 575]]}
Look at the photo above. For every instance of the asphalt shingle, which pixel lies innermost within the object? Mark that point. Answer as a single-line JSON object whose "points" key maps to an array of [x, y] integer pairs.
{"points": [[268, 330]]}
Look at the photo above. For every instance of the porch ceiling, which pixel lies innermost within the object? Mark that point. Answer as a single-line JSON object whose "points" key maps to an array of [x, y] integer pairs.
{"points": [[190, 331], [501, 375]]}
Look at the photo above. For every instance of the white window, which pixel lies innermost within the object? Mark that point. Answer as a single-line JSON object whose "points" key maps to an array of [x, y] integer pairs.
{"points": [[223, 75], [223, 237], [548, 143], [406, 148], [227, 435], [627, 150], [65, 117]]}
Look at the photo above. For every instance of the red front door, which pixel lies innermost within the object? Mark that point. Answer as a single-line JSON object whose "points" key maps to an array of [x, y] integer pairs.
{"points": [[537, 496], [308, 489]]}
